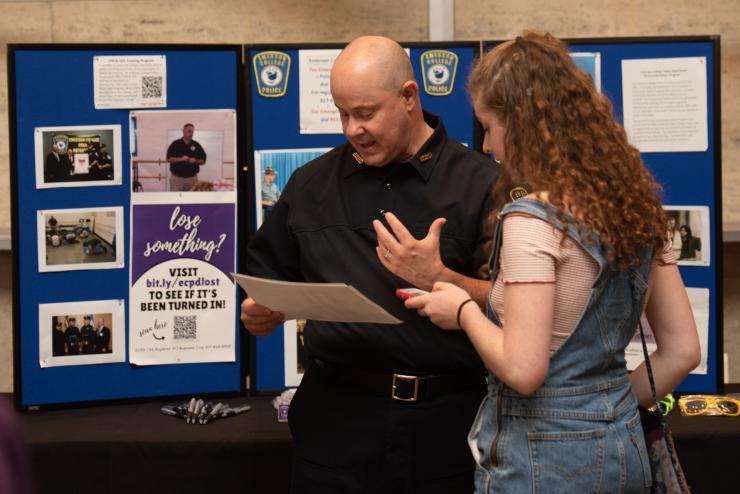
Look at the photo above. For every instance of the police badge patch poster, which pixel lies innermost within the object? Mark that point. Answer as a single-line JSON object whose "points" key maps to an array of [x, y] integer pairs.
{"points": [[182, 298], [438, 70], [271, 72]]}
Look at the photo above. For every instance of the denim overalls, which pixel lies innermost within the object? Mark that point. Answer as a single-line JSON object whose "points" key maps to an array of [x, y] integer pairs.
{"points": [[580, 431]]}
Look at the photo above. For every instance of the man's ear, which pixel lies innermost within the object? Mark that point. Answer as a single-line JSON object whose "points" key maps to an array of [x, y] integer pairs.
{"points": [[410, 94]]}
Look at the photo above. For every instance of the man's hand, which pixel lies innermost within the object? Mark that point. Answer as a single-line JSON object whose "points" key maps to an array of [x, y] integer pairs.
{"points": [[415, 261], [258, 319]]}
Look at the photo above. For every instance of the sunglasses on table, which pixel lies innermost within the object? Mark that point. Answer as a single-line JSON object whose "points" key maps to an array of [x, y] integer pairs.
{"points": [[692, 405]]}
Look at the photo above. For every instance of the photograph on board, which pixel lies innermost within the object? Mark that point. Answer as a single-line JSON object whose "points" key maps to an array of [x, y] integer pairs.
{"points": [[294, 350], [79, 239], [272, 169], [80, 333], [81, 156], [689, 232], [699, 300], [183, 151]]}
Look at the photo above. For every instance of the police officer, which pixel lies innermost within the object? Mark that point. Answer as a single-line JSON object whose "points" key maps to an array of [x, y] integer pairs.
{"points": [[72, 337], [381, 408], [88, 336], [185, 156]]}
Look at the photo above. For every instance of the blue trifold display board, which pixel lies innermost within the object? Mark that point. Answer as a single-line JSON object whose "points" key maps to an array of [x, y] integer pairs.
{"points": [[687, 178], [274, 124], [52, 85]]}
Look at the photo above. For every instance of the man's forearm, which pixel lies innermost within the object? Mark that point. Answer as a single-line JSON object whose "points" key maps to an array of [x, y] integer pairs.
{"points": [[477, 288]]}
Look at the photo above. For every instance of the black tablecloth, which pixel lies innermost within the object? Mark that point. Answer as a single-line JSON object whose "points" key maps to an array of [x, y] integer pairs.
{"points": [[134, 449]]}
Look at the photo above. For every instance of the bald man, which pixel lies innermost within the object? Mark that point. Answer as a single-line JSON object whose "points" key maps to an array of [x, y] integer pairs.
{"points": [[381, 408]]}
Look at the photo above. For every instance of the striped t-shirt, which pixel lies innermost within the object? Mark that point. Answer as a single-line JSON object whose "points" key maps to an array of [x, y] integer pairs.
{"points": [[531, 252]]}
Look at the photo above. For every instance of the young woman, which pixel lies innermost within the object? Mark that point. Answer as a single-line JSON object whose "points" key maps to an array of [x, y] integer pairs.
{"points": [[689, 243], [575, 263]]}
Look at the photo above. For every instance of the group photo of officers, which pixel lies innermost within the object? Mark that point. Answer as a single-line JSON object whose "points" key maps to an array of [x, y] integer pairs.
{"points": [[59, 164], [91, 338]]}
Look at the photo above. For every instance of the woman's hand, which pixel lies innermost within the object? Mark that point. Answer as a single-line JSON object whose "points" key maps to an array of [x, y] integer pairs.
{"points": [[442, 305]]}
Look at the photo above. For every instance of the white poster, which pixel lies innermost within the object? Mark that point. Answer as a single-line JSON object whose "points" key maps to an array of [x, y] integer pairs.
{"points": [[699, 299], [130, 81], [183, 301], [318, 115], [665, 103]]}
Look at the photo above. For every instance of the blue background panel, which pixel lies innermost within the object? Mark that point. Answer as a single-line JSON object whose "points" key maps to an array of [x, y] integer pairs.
{"points": [[687, 178], [54, 87]]}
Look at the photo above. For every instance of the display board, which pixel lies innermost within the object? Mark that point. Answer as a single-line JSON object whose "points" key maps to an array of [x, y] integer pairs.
{"points": [[123, 239], [666, 92], [293, 120]]}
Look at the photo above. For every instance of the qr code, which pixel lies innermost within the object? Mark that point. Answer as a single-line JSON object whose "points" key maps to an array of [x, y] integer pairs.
{"points": [[186, 327], [151, 86]]}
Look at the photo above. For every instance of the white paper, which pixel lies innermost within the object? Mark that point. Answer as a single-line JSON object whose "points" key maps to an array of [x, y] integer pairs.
{"points": [[318, 115], [81, 164], [178, 320], [699, 299], [665, 103], [317, 301], [130, 81]]}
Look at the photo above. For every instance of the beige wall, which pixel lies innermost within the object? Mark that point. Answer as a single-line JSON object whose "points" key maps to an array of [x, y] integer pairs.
{"points": [[249, 21]]}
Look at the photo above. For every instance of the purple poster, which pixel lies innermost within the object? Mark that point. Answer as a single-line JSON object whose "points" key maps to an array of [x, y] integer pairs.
{"points": [[182, 297]]}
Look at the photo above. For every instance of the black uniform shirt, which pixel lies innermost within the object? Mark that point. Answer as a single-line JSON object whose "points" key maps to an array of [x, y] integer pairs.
{"points": [[192, 150], [321, 231]]}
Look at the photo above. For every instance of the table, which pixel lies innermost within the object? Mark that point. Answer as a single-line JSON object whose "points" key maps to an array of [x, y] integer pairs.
{"points": [[132, 448]]}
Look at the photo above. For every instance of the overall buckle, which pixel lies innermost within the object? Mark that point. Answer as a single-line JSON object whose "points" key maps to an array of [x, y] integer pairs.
{"points": [[400, 378]]}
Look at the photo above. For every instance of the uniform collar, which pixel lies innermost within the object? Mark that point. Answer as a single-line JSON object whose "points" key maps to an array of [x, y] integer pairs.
{"points": [[423, 161]]}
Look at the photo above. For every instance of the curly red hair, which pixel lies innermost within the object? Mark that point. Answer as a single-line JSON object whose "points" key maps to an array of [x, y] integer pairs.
{"points": [[562, 138]]}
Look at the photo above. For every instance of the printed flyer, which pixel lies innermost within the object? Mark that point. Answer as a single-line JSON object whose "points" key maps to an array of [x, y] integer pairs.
{"points": [[182, 298]]}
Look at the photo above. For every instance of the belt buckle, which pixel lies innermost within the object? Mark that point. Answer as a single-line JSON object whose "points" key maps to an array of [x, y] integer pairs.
{"points": [[403, 378]]}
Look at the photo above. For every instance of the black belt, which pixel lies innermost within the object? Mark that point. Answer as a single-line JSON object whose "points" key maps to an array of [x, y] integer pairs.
{"points": [[405, 387]]}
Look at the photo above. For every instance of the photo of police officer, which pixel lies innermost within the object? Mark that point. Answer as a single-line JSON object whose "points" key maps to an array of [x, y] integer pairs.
{"points": [[185, 156], [183, 151], [90, 339]]}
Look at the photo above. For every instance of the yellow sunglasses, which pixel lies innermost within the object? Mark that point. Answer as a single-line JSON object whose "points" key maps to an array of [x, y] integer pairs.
{"points": [[692, 405]]}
